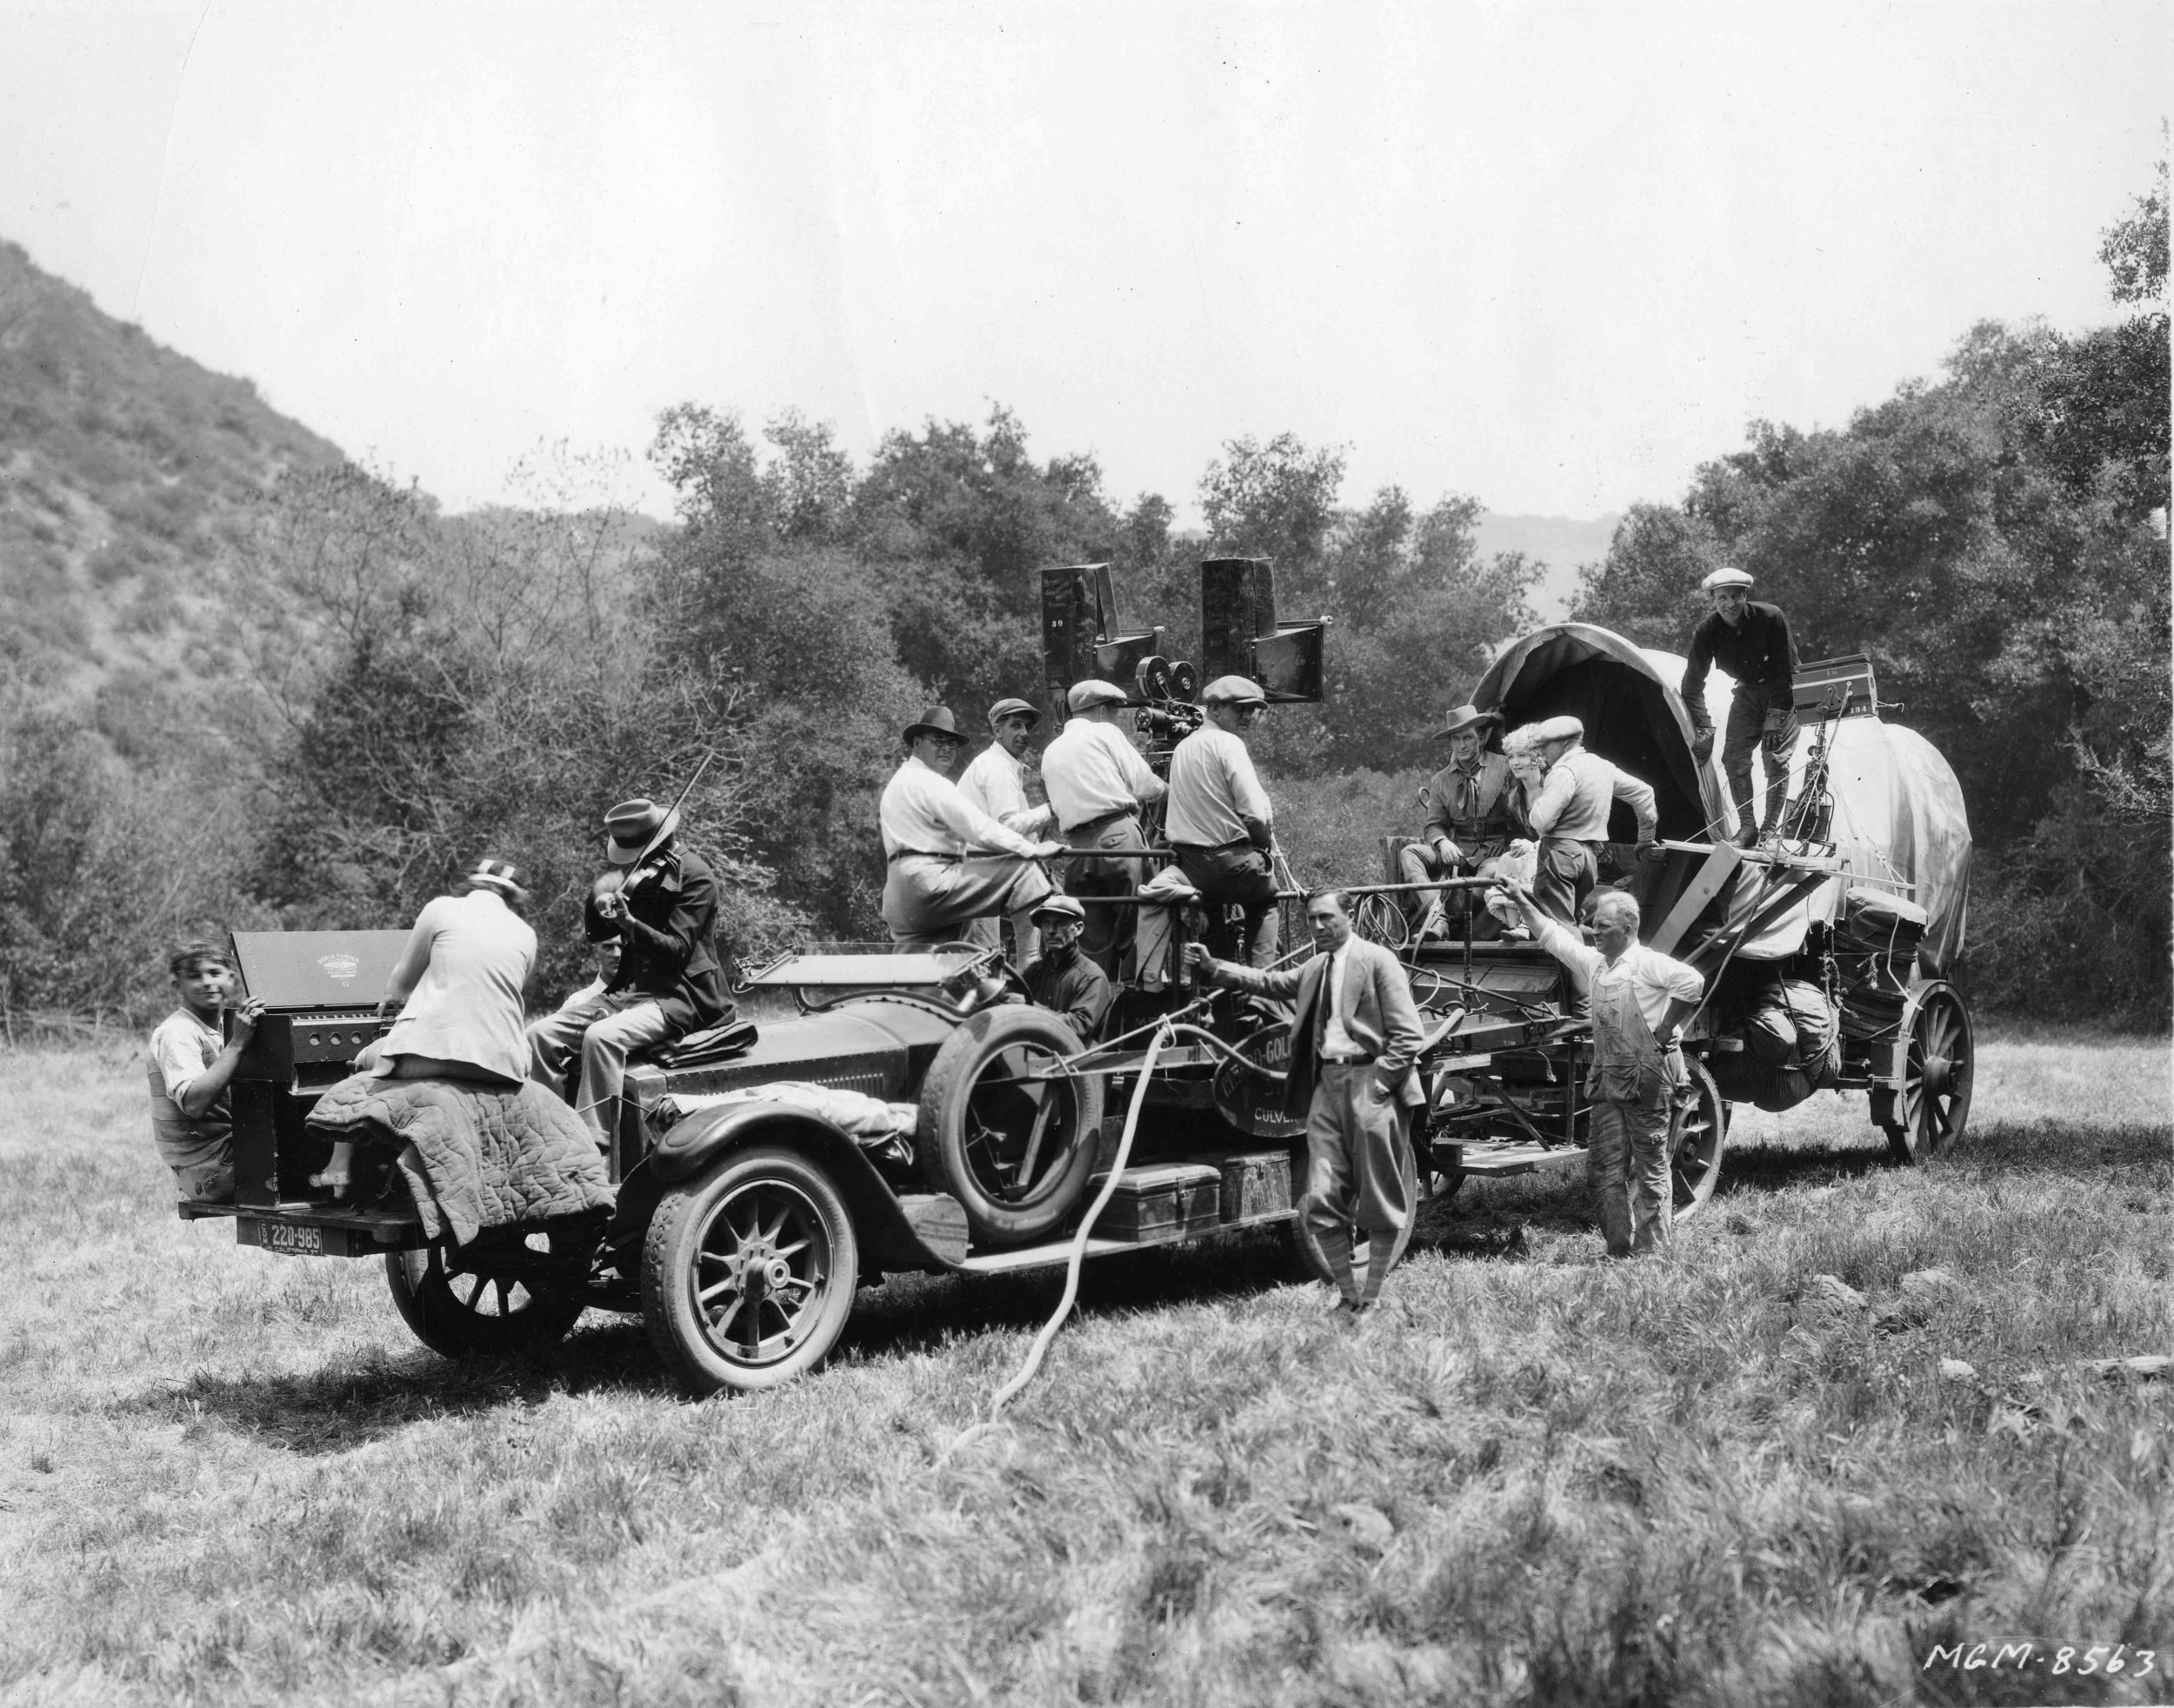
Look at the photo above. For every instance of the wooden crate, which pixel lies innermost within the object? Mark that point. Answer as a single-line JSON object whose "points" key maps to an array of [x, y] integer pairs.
{"points": [[1256, 1183], [1168, 1199]]}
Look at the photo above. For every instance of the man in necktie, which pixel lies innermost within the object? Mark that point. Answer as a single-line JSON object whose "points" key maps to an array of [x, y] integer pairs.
{"points": [[1353, 1045]]}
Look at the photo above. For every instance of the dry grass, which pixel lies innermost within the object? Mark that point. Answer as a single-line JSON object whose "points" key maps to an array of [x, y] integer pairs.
{"points": [[225, 1477]]}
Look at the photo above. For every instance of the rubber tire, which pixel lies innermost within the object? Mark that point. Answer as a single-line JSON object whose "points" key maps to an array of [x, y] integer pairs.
{"points": [[424, 1297], [670, 1255], [945, 1092], [1710, 1098], [1910, 1139]]}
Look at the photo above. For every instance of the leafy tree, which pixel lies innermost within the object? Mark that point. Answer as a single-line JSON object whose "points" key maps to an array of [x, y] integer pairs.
{"points": [[1646, 589]]}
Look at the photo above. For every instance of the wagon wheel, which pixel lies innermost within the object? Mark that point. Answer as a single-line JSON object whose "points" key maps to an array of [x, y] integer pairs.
{"points": [[463, 1312], [1696, 1133], [1004, 1130], [748, 1271], [1926, 1116]]}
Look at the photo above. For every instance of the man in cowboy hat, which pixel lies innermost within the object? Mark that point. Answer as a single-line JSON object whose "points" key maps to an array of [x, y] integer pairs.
{"points": [[995, 780], [670, 978], [1099, 783], [1570, 814], [1219, 821], [1474, 807], [1752, 642], [947, 862], [1064, 979]]}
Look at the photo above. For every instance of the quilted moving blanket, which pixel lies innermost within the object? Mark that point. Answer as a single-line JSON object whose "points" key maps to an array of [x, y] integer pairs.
{"points": [[475, 1158]]}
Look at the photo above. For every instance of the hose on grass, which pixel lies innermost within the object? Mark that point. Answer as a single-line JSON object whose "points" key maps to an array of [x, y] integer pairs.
{"points": [[1032, 1363]]}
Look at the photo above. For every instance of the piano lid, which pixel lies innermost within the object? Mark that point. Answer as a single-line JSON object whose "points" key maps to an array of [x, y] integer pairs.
{"points": [[308, 970]]}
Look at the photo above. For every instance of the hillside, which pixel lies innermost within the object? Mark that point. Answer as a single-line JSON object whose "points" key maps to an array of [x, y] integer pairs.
{"points": [[125, 470], [1562, 543]]}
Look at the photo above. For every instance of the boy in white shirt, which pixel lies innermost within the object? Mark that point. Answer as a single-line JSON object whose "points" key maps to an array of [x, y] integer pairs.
{"points": [[188, 1066]]}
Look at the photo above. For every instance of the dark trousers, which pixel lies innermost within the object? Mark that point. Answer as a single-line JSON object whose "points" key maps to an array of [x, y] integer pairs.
{"points": [[1236, 875], [1566, 873], [1762, 719]]}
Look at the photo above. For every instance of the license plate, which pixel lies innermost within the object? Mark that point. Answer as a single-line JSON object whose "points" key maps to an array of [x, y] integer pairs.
{"points": [[290, 1239]]}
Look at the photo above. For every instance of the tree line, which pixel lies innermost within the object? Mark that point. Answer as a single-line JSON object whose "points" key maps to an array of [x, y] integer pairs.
{"points": [[414, 690]]}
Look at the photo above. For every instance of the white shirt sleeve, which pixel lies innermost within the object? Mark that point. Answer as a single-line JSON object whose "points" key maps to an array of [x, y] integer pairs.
{"points": [[177, 1048], [1638, 794], [973, 827], [1139, 777], [1554, 799], [1572, 950], [1246, 792]]}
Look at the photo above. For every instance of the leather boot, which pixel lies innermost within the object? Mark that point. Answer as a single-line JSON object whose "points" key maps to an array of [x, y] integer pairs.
{"points": [[1747, 834], [1777, 806]]}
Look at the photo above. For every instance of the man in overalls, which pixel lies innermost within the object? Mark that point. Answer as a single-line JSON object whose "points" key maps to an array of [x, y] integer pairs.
{"points": [[1640, 999]]}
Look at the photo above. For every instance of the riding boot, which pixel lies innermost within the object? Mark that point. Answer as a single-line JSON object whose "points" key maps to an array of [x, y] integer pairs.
{"points": [[1747, 821], [1776, 806]]}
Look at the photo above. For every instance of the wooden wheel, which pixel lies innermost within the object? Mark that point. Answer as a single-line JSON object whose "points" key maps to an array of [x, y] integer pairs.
{"points": [[1696, 1134], [1927, 1114], [461, 1305]]}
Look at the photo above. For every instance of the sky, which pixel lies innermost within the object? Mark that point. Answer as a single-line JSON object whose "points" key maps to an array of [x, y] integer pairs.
{"points": [[1553, 256]]}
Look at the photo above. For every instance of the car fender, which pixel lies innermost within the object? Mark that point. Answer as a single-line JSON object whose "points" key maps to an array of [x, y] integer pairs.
{"points": [[887, 1232]]}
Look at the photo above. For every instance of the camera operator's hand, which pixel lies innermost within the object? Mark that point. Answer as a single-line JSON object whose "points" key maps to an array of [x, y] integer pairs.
{"points": [[1049, 851]]}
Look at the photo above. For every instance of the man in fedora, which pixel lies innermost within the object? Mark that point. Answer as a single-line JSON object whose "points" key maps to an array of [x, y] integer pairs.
{"points": [[946, 862], [1099, 783], [1752, 642], [669, 981], [995, 780], [1474, 807]]}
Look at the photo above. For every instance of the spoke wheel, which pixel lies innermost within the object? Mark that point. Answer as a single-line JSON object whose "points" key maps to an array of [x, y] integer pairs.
{"points": [[1927, 1115], [1697, 1132], [748, 1272], [460, 1312], [1004, 1129]]}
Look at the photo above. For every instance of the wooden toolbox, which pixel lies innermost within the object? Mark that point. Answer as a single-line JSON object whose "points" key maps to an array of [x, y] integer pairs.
{"points": [[1163, 1201], [1256, 1183]]}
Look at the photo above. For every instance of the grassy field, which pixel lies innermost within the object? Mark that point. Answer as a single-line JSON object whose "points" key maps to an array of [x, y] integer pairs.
{"points": [[226, 1477]]}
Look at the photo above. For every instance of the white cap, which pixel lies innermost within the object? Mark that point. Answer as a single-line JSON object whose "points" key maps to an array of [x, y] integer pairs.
{"points": [[1726, 578], [1238, 689], [1082, 696], [1560, 729]]}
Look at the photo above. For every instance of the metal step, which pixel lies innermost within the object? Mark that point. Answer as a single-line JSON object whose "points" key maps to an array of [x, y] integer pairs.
{"points": [[1492, 1162]]}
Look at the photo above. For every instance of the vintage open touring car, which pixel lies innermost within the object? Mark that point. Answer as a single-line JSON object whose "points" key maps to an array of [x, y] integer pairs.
{"points": [[913, 1113]]}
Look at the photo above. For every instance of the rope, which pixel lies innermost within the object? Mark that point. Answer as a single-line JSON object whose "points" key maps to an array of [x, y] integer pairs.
{"points": [[1032, 1363]]}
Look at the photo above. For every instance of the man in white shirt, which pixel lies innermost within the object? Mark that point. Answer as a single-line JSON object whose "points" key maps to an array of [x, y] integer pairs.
{"points": [[1353, 1043], [1097, 784], [189, 1065], [995, 781], [1641, 999], [1220, 823], [946, 862], [1570, 814]]}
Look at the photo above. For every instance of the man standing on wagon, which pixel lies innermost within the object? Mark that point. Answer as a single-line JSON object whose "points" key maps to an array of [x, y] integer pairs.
{"points": [[946, 862], [1641, 999], [1219, 822], [1353, 1045], [1570, 814], [1100, 784], [1752, 642]]}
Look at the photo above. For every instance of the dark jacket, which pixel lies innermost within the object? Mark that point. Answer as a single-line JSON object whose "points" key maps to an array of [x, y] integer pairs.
{"points": [[669, 948], [1756, 652], [1379, 1014], [1078, 990]]}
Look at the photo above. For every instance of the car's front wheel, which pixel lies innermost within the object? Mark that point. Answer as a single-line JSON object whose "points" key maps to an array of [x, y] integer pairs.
{"points": [[748, 1271]]}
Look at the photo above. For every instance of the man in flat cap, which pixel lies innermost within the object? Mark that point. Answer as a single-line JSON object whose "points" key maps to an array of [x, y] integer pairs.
{"points": [[1220, 823], [1063, 979], [1099, 783], [663, 909], [1570, 814], [995, 781], [946, 862], [1474, 807], [1752, 642]]}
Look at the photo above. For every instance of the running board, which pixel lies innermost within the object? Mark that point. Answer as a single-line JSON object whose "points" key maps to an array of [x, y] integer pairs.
{"points": [[1057, 1252], [1492, 1162]]}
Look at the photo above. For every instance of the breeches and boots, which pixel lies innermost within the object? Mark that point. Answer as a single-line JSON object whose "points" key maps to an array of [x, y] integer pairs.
{"points": [[1760, 720], [602, 1030], [1238, 874], [1633, 1085], [931, 899], [1359, 1170]]}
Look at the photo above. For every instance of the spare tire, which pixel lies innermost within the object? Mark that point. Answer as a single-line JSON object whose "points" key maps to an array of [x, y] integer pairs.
{"points": [[1012, 1142]]}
